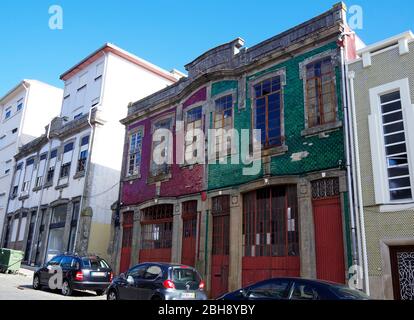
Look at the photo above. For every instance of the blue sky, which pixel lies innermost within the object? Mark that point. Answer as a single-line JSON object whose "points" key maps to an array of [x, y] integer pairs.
{"points": [[167, 33]]}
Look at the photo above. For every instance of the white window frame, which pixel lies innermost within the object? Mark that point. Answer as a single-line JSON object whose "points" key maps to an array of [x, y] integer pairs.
{"points": [[379, 163], [137, 168]]}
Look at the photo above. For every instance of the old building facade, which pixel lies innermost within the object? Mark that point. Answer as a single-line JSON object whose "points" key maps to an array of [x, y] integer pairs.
{"points": [[290, 217], [66, 180], [382, 91]]}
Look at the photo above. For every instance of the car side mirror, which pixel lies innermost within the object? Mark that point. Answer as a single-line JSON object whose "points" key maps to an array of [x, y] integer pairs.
{"points": [[130, 280], [122, 275]]}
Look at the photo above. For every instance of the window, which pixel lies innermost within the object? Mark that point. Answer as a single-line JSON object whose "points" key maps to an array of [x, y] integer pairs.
{"points": [[137, 272], [41, 170], [152, 272], [320, 92], [8, 113], [65, 170], [399, 181], [271, 289], [160, 169], [83, 154], [51, 169], [2, 141], [79, 115], [22, 230], [304, 292], [80, 96], [19, 105], [16, 179], [392, 152], [193, 122], [157, 226], [55, 261], [28, 174], [8, 166], [223, 114], [268, 111], [134, 153], [66, 160]]}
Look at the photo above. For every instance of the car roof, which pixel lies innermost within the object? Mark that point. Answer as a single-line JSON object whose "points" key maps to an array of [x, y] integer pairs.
{"points": [[167, 264]]}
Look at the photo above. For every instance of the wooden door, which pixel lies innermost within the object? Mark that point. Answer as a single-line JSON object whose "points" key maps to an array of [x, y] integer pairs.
{"points": [[329, 245], [189, 237], [127, 228], [220, 248]]}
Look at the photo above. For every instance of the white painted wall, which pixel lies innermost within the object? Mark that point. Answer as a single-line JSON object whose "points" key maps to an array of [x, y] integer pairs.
{"points": [[40, 103]]}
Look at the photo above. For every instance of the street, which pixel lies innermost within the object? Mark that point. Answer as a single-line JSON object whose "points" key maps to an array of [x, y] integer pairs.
{"points": [[19, 287]]}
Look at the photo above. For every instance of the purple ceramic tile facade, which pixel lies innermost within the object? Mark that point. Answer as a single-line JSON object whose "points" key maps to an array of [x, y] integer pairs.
{"points": [[184, 180]]}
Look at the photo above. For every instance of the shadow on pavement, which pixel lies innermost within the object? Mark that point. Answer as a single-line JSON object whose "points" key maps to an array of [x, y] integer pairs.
{"points": [[74, 294]]}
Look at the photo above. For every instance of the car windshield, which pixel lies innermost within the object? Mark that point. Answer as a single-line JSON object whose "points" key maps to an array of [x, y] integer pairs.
{"points": [[348, 293], [184, 275], [94, 263]]}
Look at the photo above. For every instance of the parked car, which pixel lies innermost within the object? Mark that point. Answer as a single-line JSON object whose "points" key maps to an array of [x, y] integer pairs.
{"points": [[78, 273], [158, 281], [295, 289]]}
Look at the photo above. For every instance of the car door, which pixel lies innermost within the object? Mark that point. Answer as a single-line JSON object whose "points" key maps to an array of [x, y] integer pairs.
{"points": [[129, 291], [66, 265], [273, 289], [146, 285], [48, 271]]}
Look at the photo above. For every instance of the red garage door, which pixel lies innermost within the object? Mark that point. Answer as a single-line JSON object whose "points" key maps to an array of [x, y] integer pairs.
{"points": [[127, 226], [189, 215], [270, 234], [156, 233], [220, 248], [330, 260]]}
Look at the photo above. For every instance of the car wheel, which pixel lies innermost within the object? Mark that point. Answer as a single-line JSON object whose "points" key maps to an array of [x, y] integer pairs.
{"points": [[66, 289], [99, 292], [36, 283], [112, 295]]}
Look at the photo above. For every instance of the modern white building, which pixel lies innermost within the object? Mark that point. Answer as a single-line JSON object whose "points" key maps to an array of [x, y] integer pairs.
{"points": [[66, 180], [25, 110]]}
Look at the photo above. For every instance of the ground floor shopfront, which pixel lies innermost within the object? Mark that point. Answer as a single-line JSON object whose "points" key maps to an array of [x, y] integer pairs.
{"points": [[290, 226], [41, 233]]}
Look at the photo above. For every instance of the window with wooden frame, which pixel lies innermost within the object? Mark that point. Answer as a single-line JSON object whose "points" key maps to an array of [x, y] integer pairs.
{"points": [[268, 101], [135, 152], [223, 119], [193, 121], [156, 227], [161, 169], [321, 104], [83, 154]]}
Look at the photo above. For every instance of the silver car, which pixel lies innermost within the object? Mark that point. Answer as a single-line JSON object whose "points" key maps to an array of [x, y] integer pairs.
{"points": [[158, 281]]}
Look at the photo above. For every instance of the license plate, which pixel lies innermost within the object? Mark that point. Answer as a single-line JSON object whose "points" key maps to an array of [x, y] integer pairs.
{"points": [[98, 274], [188, 295]]}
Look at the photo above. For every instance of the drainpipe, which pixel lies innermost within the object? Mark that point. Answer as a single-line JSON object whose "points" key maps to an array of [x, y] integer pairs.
{"points": [[354, 236], [41, 192], [357, 167], [91, 138]]}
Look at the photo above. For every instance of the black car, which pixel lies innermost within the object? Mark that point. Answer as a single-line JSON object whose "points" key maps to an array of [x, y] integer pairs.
{"points": [[78, 273], [295, 289], [158, 281]]}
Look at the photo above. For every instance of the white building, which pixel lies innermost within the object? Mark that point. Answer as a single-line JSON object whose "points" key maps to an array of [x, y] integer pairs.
{"points": [[25, 110], [66, 180]]}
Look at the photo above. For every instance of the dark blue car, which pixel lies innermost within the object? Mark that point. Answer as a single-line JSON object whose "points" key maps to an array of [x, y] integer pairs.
{"points": [[295, 289]]}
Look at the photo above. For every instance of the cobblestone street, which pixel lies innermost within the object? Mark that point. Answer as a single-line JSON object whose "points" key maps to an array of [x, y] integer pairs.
{"points": [[19, 287]]}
